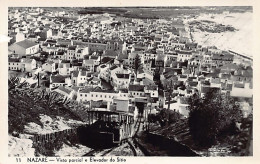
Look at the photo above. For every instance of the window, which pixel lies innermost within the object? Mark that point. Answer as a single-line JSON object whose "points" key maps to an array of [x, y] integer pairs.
{"points": [[80, 95], [85, 95]]}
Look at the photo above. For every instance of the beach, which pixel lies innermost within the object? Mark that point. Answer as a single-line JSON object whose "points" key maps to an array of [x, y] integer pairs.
{"points": [[240, 41]]}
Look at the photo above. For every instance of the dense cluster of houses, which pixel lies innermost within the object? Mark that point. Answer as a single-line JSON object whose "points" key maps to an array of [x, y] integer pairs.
{"points": [[92, 59]]}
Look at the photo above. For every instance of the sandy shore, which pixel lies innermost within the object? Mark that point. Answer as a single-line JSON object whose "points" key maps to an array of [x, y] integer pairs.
{"points": [[240, 41]]}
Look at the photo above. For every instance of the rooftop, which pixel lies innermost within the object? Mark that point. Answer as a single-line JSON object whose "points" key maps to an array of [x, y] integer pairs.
{"points": [[26, 43], [151, 87], [122, 76], [136, 88], [90, 61], [66, 90], [13, 60], [111, 53], [58, 79]]}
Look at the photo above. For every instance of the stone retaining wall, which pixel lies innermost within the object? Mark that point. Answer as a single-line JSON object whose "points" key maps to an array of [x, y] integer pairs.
{"points": [[52, 136]]}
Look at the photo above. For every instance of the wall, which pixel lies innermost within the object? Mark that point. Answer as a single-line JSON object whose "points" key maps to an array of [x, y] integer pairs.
{"points": [[47, 67], [18, 49], [145, 75], [47, 144], [121, 83], [121, 105], [14, 66], [52, 136], [65, 70], [136, 93], [96, 96], [32, 50], [183, 57], [56, 85], [242, 92], [153, 93]]}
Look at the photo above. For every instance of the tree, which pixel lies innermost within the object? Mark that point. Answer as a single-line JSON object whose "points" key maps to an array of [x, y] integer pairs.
{"points": [[162, 115], [211, 115], [152, 118], [137, 63], [15, 83], [169, 88]]}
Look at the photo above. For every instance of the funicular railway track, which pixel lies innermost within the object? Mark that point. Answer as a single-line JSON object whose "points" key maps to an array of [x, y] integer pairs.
{"points": [[135, 143], [137, 125], [132, 147], [99, 152], [105, 152], [91, 153], [131, 143]]}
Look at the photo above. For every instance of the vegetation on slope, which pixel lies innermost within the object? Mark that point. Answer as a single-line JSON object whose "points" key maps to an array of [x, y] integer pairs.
{"points": [[215, 127], [26, 104], [211, 115]]}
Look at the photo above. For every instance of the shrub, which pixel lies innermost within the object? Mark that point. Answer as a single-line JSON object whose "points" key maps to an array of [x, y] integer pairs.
{"points": [[26, 106], [161, 117], [211, 115]]}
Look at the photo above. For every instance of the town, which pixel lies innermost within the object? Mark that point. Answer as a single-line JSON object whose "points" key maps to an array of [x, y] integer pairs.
{"points": [[107, 62]]}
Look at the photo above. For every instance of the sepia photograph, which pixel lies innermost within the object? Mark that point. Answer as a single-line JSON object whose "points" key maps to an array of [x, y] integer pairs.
{"points": [[130, 81]]}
